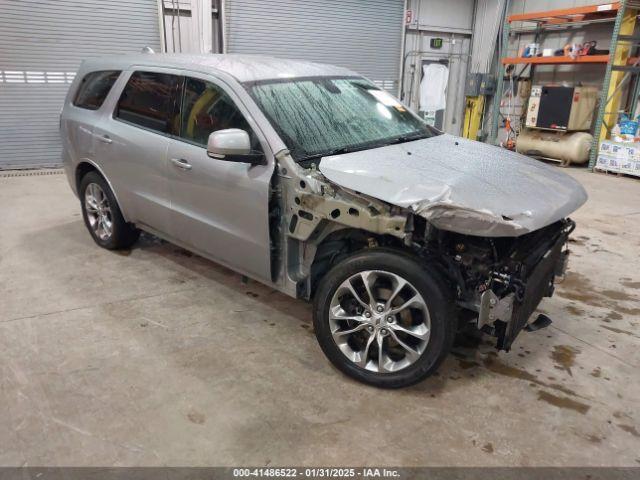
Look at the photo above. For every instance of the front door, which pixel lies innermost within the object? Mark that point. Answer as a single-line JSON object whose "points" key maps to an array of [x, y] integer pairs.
{"points": [[219, 208]]}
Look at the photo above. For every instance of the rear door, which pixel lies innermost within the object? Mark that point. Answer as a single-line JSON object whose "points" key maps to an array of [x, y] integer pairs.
{"points": [[132, 142], [219, 208], [82, 111]]}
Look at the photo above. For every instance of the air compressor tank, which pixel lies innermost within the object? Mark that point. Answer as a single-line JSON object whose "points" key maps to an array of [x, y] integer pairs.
{"points": [[568, 148]]}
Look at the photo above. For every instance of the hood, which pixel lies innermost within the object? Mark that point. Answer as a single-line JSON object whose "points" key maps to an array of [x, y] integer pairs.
{"points": [[461, 185]]}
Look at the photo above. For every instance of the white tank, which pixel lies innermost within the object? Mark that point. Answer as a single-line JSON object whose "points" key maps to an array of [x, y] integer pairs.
{"points": [[566, 147]]}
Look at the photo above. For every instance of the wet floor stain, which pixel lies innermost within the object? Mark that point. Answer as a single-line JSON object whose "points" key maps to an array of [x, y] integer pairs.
{"points": [[617, 295], [563, 402], [494, 365], [573, 310], [624, 332], [630, 284], [196, 417], [577, 287], [564, 356], [613, 316], [488, 447], [467, 364], [595, 438], [307, 327], [629, 429], [579, 240]]}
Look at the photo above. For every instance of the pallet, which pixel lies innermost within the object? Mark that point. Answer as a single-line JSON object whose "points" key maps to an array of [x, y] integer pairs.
{"points": [[617, 173]]}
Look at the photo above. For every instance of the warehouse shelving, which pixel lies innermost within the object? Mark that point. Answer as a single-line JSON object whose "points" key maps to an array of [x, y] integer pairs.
{"points": [[556, 60], [619, 64]]}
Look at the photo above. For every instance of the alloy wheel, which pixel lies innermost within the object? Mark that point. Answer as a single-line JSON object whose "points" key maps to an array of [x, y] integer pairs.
{"points": [[379, 321], [98, 210]]}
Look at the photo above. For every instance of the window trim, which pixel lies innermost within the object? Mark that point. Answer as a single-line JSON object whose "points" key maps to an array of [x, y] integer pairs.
{"points": [[82, 82], [185, 78], [263, 138], [132, 72]]}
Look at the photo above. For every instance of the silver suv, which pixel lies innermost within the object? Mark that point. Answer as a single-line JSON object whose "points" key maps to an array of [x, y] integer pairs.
{"points": [[312, 180]]}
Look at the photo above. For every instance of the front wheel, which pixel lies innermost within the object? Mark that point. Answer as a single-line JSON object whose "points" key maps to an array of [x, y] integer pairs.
{"points": [[383, 319]]}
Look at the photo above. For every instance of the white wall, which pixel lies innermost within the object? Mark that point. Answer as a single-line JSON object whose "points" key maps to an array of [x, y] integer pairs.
{"points": [[451, 20], [189, 26], [442, 15]]}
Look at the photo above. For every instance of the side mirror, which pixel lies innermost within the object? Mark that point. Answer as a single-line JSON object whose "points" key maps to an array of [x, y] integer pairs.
{"points": [[233, 145]]}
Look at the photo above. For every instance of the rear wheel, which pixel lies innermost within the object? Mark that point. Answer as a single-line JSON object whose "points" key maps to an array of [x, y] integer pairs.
{"points": [[102, 215], [383, 319]]}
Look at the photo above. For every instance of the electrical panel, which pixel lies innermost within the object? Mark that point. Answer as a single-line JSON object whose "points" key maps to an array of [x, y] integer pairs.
{"points": [[563, 108], [479, 84]]}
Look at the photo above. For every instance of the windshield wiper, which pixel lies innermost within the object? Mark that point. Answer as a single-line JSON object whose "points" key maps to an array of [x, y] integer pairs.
{"points": [[364, 146], [406, 138], [335, 151]]}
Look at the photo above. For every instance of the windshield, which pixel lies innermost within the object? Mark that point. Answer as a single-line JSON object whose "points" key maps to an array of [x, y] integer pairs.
{"points": [[322, 116]]}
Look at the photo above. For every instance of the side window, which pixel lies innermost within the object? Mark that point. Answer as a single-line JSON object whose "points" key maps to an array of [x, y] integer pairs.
{"points": [[150, 100], [94, 88], [207, 108]]}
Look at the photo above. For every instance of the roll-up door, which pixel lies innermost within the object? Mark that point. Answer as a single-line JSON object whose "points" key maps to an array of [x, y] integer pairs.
{"points": [[363, 35], [42, 44]]}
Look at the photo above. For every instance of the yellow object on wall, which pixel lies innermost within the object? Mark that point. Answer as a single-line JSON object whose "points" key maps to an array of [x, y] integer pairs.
{"points": [[473, 117]]}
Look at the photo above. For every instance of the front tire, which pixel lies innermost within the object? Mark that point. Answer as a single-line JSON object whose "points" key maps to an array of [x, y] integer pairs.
{"points": [[102, 215], [383, 319]]}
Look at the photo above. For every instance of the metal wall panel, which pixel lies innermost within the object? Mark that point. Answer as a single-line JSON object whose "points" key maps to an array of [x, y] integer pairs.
{"points": [[363, 35], [42, 44]]}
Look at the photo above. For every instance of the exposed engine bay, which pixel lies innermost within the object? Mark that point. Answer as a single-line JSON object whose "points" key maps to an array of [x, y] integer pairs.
{"points": [[497, 281], [502, 279]]}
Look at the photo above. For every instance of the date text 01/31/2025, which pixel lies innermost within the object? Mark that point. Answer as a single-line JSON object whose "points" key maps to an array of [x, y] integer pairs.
{"points": [[323, 472]]}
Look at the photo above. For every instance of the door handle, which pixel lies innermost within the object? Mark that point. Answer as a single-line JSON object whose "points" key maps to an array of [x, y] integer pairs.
{"points": [[104, 138], [181, 163]]}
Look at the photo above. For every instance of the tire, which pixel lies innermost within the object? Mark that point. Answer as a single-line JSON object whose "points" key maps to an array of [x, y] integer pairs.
{"points": [[429, 317], [102, 215]]}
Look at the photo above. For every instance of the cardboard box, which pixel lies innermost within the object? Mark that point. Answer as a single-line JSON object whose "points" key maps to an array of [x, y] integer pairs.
{"points": [[633, 168], [619, 157], [609, 163]]}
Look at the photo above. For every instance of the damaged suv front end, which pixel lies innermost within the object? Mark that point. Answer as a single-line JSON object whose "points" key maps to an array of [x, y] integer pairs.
{"points": [[362, 173]]}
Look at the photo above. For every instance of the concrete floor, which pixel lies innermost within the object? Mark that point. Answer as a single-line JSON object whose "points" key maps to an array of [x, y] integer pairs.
{"points": [[157, 357]]}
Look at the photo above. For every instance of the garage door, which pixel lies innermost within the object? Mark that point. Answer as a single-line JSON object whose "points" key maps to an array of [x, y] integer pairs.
{"points": [[42, 44], [363, 35]]}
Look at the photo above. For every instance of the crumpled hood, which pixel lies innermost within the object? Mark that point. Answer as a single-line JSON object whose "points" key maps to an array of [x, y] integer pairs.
{"points": [[461, 185]]}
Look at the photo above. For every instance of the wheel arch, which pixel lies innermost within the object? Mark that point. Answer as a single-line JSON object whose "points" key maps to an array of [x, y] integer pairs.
{"points": [[86, 166], [339, 244]]}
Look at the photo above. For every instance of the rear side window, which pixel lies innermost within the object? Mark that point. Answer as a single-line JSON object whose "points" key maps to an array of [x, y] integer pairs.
{"points": [[150, 100], [94, 88]]}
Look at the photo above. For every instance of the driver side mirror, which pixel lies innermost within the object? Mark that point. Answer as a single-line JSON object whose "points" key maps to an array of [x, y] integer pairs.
{"points": [[233, 145]]}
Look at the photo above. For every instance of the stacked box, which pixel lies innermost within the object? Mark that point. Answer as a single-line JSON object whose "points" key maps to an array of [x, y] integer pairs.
{"points": [[619, 157], [631, 163]]}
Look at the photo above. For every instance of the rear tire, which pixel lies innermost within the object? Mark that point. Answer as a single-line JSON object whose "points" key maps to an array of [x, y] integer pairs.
{"points": [[372, 339], [102, 215]]}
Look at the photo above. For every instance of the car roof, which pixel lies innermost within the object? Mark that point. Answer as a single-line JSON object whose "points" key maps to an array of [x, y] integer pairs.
{"points": [[245, 68]]}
